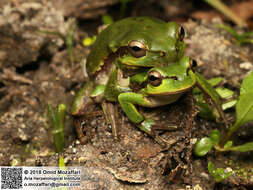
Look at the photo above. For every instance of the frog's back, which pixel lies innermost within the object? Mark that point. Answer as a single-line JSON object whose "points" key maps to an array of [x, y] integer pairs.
{"points": [[118, 34]]}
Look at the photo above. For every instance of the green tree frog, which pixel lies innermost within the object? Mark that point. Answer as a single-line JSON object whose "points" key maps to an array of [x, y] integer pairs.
{"points": [[163, 86]]}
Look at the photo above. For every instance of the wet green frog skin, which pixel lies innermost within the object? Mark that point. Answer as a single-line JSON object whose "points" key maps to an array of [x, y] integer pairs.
{"points": [[123, 49], [164, 85]]}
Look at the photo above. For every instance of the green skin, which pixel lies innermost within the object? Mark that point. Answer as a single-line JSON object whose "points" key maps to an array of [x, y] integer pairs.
{"points": [[106, 65], [176, 79]]}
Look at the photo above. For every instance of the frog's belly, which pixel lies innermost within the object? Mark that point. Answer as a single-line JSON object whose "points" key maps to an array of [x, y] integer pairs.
{"points": [[163, 99]]}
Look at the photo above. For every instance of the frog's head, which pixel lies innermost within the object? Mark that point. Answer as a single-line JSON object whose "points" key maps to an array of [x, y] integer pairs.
{"points": [[175, 78], [147, 42]]}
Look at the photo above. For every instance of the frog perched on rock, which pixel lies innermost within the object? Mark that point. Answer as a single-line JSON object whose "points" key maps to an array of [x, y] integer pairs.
{"points": [[123, 49]]}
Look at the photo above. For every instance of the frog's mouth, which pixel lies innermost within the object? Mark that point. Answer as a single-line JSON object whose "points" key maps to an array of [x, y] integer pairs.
{"points": [[166, 93]]}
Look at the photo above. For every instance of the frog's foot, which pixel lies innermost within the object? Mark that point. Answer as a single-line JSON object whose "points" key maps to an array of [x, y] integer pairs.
{"points": [[80, 130], [81, 124], [150, 127]]}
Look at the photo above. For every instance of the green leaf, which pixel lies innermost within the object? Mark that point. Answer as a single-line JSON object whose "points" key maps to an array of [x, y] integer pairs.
{"points": [[62, 163], [203, 146], [58, 121], [247, 40], [244, 109], [215, 136], [211, 168], [58, 130], [246, 34], [228, 145], [247, 84], [218, 174], [244, 106], [60, 115], [89, 41], [224, 92], [228, 29], [241, 38], [215, 81], [229, 104], [205, 111], [242, 148], [107, 19]]}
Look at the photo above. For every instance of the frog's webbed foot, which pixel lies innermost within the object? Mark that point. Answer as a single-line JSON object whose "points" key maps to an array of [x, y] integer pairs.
{"points": [[150, 127]]}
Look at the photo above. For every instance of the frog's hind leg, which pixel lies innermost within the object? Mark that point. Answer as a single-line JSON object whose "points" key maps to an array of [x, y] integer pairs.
{"points": [[82, 110], [82, 100], [111, 115]]}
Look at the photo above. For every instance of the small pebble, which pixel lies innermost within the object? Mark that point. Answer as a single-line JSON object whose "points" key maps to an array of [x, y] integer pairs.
{"points": [[246, 66], [204, 175]]}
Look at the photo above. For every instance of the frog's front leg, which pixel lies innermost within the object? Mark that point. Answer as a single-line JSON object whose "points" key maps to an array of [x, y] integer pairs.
{"points": [[128, 101]]}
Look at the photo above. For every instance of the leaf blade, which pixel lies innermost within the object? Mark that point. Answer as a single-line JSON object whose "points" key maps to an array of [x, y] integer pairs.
{"points": [[203, 146]]}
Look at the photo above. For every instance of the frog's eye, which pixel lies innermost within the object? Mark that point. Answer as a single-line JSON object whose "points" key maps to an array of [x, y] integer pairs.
{"points": [[137, 49], [155, 78], [181, 33]]}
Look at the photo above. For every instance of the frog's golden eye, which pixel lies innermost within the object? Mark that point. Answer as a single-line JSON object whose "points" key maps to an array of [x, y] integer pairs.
{"points": [[137, 49], [181, 33], [155, 78]]}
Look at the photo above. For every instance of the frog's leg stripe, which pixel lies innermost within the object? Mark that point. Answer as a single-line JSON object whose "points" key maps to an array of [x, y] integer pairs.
{"points": [[127, 101]]}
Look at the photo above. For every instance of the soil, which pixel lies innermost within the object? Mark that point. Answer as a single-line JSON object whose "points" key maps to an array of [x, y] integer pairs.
{"points": [[36, 70]]}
